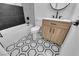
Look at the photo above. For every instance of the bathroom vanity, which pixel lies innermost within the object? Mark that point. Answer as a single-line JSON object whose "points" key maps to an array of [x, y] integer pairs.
{"points": [[55, 30]]}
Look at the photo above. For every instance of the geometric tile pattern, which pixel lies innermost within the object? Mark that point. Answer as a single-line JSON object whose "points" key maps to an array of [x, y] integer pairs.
{"points": [[27, 46]]}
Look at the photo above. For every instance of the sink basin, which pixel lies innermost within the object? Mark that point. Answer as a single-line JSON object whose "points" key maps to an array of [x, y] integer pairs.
{"points": [[63, 20]]}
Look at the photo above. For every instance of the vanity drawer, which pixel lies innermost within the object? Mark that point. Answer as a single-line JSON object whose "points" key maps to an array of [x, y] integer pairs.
{"points": [[64, 25], [59, 24], [53, 23], [46, 22]]}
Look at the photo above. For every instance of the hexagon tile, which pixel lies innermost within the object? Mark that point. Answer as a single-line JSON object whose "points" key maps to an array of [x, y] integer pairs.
{"points": [[26, 46]]}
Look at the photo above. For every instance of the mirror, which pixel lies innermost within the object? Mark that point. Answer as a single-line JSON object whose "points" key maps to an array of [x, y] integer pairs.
{"points": [[59, 6]]}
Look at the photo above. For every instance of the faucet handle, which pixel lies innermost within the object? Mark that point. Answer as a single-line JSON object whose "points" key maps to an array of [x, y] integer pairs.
{"points": [[53, 16], [60, 17]]}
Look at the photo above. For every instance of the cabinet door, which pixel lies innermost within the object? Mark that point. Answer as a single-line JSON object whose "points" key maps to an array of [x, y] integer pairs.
{"points": [[58, 35], [52, 34], [46, 32]]}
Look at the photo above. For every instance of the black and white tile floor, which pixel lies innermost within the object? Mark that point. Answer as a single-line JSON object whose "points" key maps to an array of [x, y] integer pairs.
{"points": [[26, 46]]}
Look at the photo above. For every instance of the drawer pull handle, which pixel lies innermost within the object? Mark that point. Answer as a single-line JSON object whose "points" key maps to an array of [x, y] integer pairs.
{"points": [[53, 23]]}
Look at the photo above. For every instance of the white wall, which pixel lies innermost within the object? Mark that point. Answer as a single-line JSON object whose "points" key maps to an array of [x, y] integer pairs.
{"points": [[69, 47], [43, 10], [71, 44], [29, 12]]}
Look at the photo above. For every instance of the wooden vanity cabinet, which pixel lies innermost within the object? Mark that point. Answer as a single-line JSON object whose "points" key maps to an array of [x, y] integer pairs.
{"points": [[55, 31]]}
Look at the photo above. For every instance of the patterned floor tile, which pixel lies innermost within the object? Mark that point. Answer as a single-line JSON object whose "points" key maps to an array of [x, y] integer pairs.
{"points": [[29, 47], [49, 52], [40, 55], [28, 41], [10, 47], [55, 48], [25, 48], [46, 44], [32, 52], [40, 48], [33, 44], [40, 41], [22, 54], [15, 52], [20, 44]]}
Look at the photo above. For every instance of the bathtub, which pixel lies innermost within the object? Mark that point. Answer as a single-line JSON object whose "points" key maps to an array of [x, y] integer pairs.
{"points": [[13, 34]]}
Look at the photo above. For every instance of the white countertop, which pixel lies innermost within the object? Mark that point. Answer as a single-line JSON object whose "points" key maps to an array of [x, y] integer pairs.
{"points": [[64, 20]]}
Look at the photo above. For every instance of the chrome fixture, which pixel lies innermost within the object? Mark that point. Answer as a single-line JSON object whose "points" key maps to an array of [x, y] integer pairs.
{"points": [[58, 7], [76, 23], [27, 20]]}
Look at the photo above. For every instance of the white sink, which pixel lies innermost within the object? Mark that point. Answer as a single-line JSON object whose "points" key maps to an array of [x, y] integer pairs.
{"points": [[64, 20]]}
